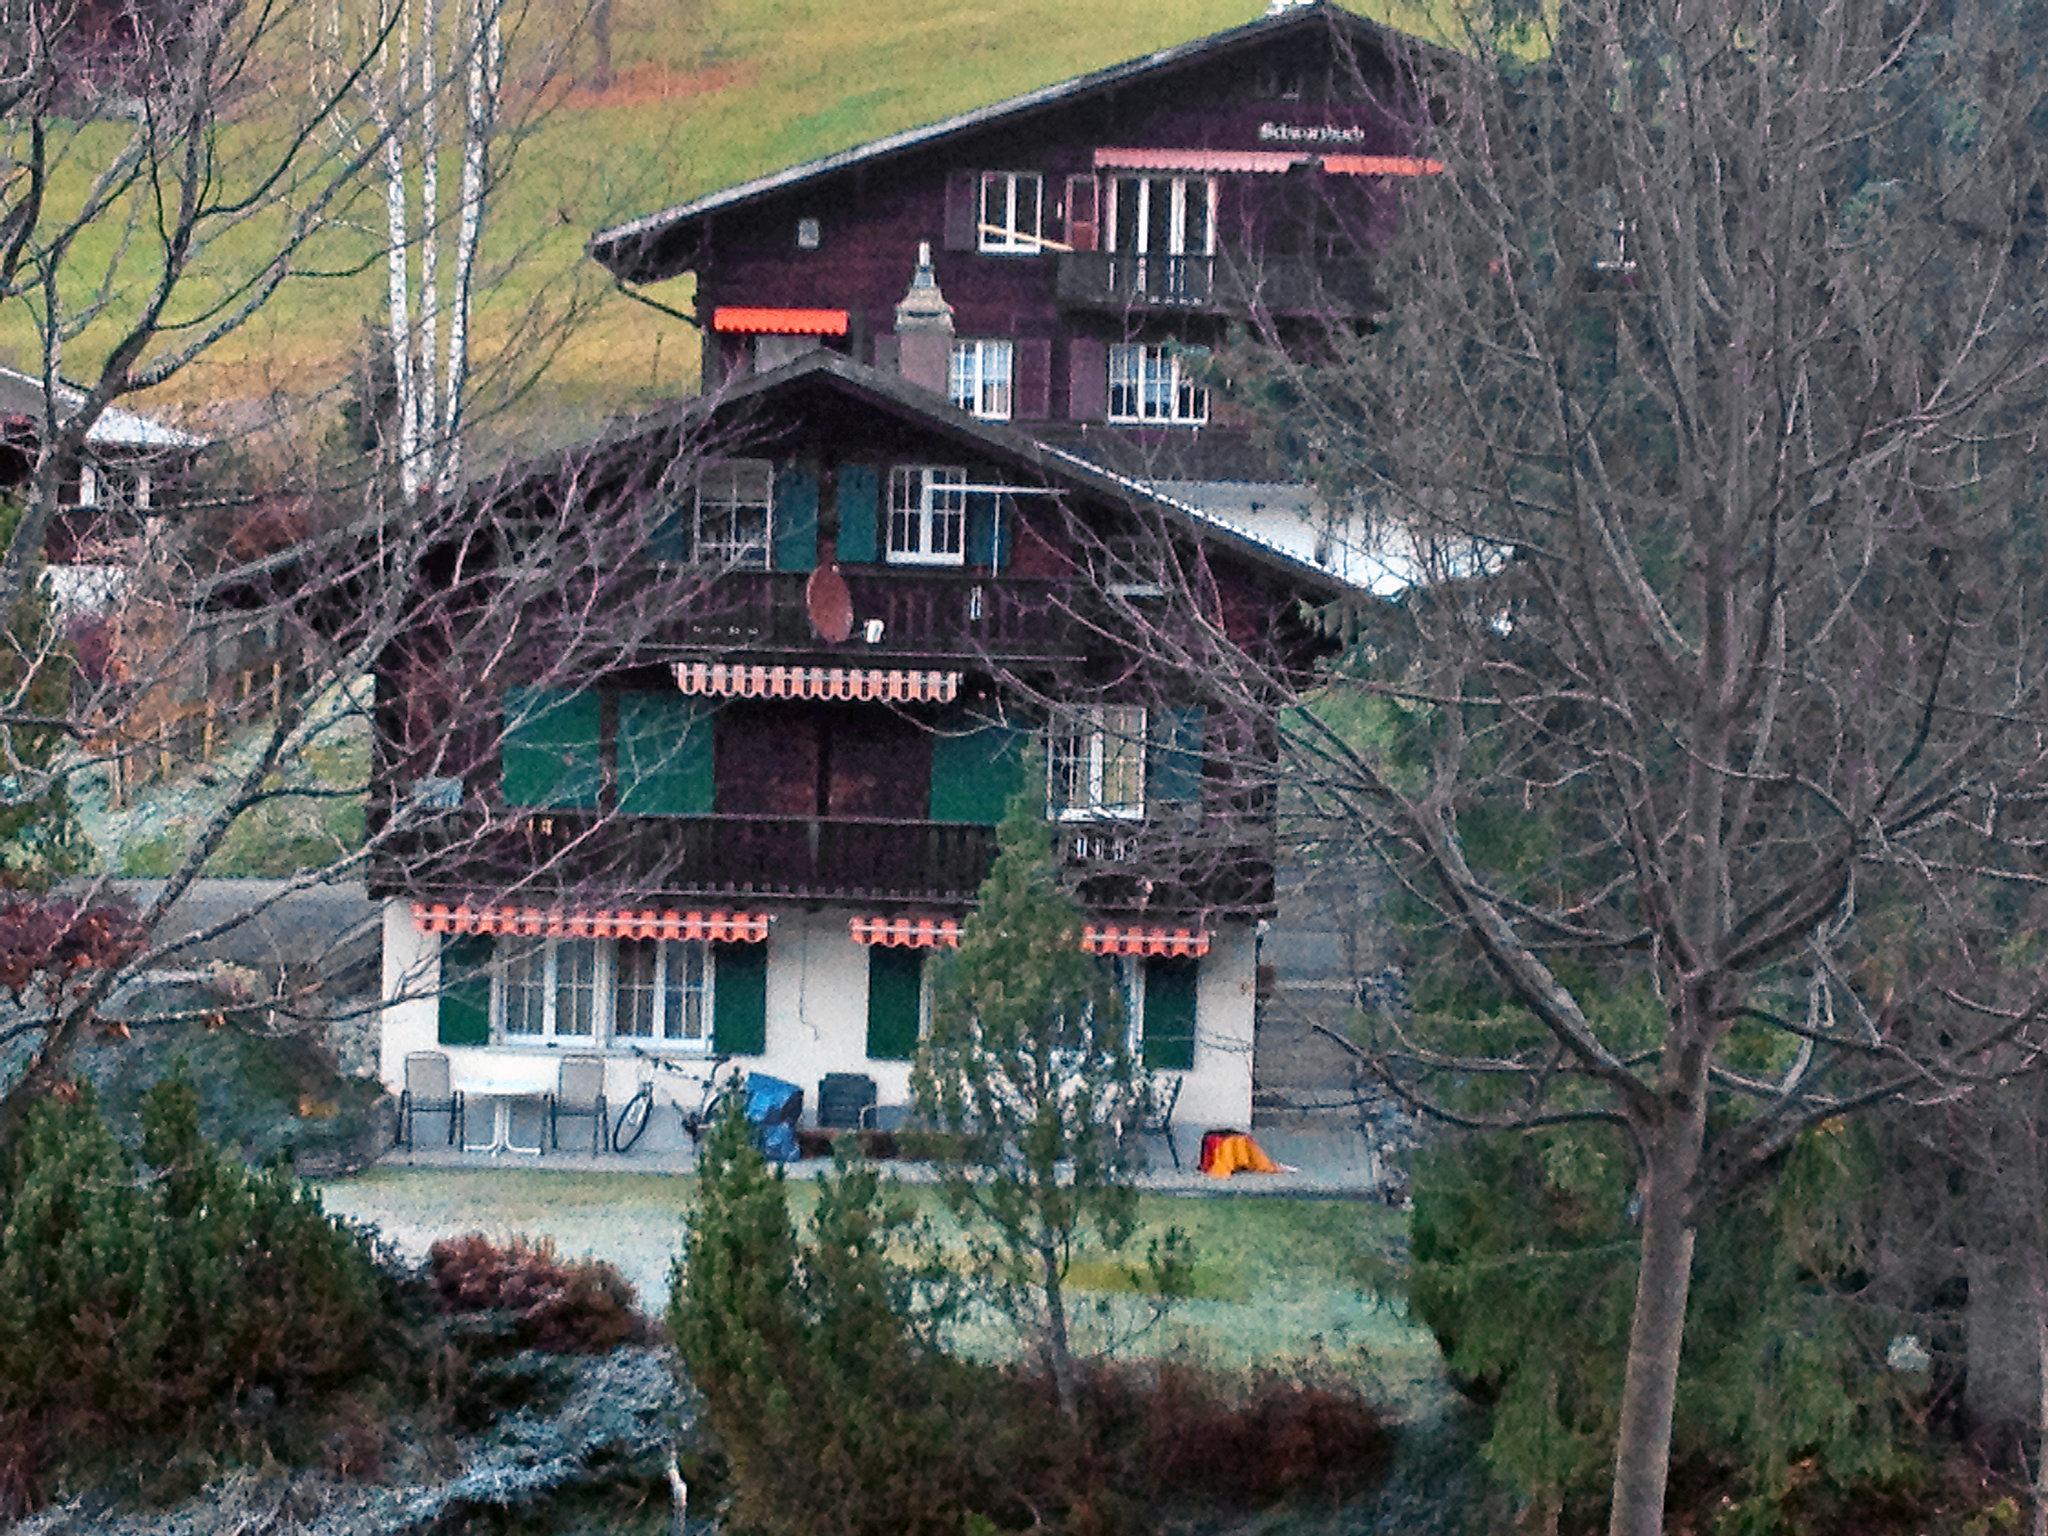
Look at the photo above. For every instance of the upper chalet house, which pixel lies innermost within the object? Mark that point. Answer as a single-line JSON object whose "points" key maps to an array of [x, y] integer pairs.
{"points": [[1093, 238], [696, 757], [127, 473]]}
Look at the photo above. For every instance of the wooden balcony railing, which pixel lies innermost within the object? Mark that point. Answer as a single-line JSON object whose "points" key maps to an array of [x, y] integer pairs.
{"points": [[584, 857], [1104, 280], [920, 613]]}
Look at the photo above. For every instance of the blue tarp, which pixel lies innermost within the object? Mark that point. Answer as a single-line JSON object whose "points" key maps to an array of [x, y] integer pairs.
{"points": [[774, 1106]]}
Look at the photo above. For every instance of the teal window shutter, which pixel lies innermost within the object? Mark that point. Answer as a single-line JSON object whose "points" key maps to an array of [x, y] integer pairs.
{"points": [[988, 536], [668, 538], [739, 999], [796, 517], [465, 1004], [975, 771], [859, 501], [552, 753], [665, 756], [1169, 1034], [1173, 755], [895, 1002]]}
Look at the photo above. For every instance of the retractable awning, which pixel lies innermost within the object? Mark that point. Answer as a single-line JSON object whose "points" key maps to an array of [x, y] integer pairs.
{"points": [[890, 685], [907, 932], [1381, 165], [1223, 162], [1143, 939], [587, 923], [779, 322]]}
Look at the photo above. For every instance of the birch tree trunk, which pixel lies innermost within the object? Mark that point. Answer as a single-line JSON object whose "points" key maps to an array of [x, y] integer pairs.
{"points": [[387, 109], [432, 74], [485, 69]]}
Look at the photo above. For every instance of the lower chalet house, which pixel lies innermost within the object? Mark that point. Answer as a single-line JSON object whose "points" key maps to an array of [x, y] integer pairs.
{"points": [[698, 755]]}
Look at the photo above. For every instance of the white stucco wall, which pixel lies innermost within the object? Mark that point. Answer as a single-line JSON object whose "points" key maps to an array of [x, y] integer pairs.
{"points": [[817, 1022]]}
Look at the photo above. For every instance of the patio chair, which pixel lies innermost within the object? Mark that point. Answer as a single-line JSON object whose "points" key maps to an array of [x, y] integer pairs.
{"points": [[429, 1090], [1158, 1121], [579, 1095]]}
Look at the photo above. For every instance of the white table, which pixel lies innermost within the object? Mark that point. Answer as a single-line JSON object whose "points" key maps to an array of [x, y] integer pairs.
{"points": [[503, 1090]]}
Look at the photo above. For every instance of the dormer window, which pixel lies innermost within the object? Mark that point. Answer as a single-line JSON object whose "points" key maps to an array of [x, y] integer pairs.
{"points": [[927, 515], [1012, 213]]}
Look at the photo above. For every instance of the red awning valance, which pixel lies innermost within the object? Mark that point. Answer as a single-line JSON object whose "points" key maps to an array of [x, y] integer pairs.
{"points": [[1141, 939], [582, 923], [779, 322], [907, 932], [891, 685], [1381, 165], [1214, 161]]}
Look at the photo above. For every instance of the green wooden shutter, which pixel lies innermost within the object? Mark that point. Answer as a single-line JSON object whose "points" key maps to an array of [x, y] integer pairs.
{"points": [[552, 754], [1169, 1040], [665, 756], [988, 540], [669, 537], [739, 999], [975, 771], [859, 501], [1173, 755], [465, 1008], [796, 517], [895, 1002]]}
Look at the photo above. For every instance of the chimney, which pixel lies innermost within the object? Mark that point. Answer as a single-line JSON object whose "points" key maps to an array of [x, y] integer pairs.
{"points": [[924, 328]]}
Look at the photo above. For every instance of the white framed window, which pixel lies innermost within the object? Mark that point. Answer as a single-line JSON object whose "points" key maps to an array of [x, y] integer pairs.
{"points": [[1162, 216], [550, 989], [1095, 763], [116, 488], [981, 378], [735, 509], [663, 994], [1155, 384], [927, 515], [1012, 212]]}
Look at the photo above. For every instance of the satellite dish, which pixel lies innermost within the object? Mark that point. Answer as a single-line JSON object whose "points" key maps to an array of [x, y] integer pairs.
{"points": [[829, 604]]}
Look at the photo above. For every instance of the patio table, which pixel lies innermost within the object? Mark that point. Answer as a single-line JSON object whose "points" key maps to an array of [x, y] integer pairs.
{"points": [[502, 1088]]}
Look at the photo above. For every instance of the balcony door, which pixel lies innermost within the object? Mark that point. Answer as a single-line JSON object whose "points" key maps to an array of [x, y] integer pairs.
{"points": [[1168, 225], [861, 761]]}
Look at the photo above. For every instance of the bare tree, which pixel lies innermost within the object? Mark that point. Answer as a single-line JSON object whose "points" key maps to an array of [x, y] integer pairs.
{"points": [[1703, 419]]}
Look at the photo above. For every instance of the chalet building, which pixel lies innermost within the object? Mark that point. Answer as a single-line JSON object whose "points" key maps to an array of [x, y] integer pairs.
{"points": [[127, 473], [1095, 240], [738, 818]]}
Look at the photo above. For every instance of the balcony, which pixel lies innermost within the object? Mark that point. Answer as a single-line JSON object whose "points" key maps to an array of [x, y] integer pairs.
{"points": [[584, 857], [936, 615], [1121, 284]]}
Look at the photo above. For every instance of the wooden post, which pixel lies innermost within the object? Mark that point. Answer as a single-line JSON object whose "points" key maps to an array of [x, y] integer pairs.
{"points": [[163, 749], [117, 773], [276, 687], [207, 730]]}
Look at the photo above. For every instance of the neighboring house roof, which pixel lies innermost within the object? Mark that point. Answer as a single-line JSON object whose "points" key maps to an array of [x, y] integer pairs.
{"points": [[21, 394], [629, 249]]}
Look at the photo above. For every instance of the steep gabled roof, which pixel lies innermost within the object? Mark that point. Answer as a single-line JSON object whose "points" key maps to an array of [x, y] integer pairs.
{"points": [[632, 250], [21, 394]]}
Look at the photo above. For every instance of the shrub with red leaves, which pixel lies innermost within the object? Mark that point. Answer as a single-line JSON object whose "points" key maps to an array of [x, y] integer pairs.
{"points": [[46, 943], [564, 1306]]}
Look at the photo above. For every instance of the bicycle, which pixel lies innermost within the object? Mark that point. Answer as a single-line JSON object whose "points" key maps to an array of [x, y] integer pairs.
{"points": [[631, 1124]]}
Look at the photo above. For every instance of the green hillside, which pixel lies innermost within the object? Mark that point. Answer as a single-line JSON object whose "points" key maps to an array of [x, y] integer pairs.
{"points": [[708, 92]]}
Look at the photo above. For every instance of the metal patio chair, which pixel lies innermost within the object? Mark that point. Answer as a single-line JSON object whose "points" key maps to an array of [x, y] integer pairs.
{"points": [[579, 1095], [429, 1090]]}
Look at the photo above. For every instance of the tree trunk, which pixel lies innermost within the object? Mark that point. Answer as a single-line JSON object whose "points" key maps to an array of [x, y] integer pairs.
{"points": [[1059, 1350], [602, 75], [1642, 1454]]}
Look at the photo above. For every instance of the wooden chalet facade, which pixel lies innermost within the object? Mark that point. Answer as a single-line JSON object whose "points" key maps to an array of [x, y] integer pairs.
{"points": [[915, 553]]}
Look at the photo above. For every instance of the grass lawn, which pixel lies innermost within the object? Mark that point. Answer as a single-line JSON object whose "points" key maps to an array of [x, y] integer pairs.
{"points": [[1275, 1278]]}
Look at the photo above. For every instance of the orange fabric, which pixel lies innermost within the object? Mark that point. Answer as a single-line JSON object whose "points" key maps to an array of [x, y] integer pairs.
{"points": [[1139, 939], [779, 322], [577, 923], [1381, 165], [1234, 1153]]}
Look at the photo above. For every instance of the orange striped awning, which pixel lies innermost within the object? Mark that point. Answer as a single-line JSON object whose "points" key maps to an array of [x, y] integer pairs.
{"points": [[580, 923], [892, 685], [1218, 161], [1141, 939], [779, 322], [907, 932], [1381, 165]]}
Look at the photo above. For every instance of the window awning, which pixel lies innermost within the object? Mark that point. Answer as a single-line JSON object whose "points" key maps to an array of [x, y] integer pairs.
{"points": [[1142, 939], [779, 322], [586, 923], [1215, 161], [891, 685], [907, 932], [1381, 165]]}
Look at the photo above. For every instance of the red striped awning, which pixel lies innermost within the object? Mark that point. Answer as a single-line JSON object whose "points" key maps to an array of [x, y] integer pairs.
{"points": [[907, 932], [1381, 165], [1216, 161], [891, 685], [1140, 939], [779, 322], [580, 923]]}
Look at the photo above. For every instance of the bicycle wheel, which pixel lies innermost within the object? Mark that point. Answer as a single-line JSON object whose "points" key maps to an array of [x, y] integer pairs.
{"points": [[632, 1121]]}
